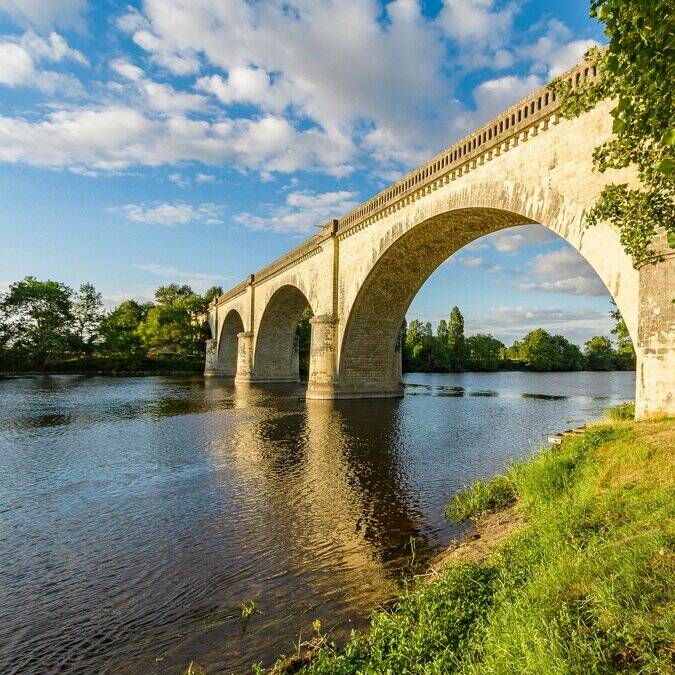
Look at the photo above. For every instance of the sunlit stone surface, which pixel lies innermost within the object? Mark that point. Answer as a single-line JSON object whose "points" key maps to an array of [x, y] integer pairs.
{"points": [[361, 272]]}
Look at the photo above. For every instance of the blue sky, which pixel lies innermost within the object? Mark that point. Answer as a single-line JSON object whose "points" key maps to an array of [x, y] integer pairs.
{"points": [[196, 140]]}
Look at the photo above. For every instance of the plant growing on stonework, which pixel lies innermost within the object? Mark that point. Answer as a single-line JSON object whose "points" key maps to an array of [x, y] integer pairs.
{"points": [[637, 70]]}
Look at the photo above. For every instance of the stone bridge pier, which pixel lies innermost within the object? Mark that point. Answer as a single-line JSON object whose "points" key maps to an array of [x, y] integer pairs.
{"points": [[359, 273]]}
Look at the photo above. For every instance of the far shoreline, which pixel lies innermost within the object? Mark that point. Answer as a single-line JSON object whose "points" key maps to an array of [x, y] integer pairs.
{"points": [[187, 368]]}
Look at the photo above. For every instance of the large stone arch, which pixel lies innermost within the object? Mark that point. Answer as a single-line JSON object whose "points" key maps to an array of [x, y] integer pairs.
{"points": [[222, 348], [228, 343], [369, 356], [527, 165], [275, 350]]}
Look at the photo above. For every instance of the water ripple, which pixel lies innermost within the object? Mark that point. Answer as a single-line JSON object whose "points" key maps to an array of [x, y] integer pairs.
{"points": [[137, 514]]}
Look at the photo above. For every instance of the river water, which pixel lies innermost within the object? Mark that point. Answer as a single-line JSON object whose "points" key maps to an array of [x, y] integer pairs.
{"points": [[138, 514]]}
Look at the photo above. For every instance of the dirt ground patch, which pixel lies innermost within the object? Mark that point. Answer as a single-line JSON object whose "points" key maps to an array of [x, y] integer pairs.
{"points": [[478, 544]]}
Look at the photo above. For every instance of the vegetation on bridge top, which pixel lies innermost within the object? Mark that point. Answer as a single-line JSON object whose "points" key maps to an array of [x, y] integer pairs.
{"points": [[581, 584], [637, 70]]}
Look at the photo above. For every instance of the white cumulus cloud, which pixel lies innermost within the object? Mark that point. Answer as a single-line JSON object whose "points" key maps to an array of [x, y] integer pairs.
{"points": [[157, 96], [472, 263], [21, 60], [317, 85], [556, 50], [46, 14], [115, 137], [337, 64], [494, 96], [248, 85], [303, 212], [515, 239], [472, 22], [563, 271], [170, 215]]}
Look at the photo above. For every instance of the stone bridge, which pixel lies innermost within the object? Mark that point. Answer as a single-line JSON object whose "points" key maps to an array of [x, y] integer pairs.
{"points": [[359, 273]]}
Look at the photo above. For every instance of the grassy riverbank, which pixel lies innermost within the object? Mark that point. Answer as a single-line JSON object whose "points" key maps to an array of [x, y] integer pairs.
{"points": [[579, 579]]}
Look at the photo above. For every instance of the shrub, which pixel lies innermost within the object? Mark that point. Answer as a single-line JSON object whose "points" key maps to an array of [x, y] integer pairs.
{"points": [[625, 411]]}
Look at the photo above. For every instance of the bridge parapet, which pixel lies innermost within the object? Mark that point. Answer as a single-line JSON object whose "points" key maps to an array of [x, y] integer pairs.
{"points": [[232, 292], [529, 111], [520, 118], [295, 255]]}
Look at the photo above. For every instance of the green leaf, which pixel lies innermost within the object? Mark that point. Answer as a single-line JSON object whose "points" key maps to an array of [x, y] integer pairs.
{"points": [[618, 126], [666, 165], [669, 137], [671, 239]]}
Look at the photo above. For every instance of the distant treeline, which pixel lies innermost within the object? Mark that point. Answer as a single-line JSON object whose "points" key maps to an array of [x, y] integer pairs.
{"points": [[47, 326], [449, 350]]}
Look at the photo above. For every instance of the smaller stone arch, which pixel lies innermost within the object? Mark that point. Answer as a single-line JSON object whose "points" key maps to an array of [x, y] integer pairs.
{"points": [[276, 350], [227, 348]]}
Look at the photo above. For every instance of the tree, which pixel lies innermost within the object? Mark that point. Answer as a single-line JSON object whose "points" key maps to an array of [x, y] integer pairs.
{"points": [[625, 352], [637, 70], [513, 353], [442, 331], [167, 295], [456, 339], [406, 355], [119, 329], [542, 351], [599, 353], [37, 318], [87, 317], [433, 356], [538, 350], [212, 293], [4, 336], [483, 352], [413, 340], [567, 355], [172, 325], [418, 345]]}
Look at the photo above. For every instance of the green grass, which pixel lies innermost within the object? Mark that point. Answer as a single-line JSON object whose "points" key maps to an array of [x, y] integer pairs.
{"points": [[625, 411], [586, 586], [481, 497]]}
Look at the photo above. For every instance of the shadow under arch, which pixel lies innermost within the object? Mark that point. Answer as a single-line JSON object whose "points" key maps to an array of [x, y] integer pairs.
{"points": [[228, 344], [370, 358], [276, 351]]}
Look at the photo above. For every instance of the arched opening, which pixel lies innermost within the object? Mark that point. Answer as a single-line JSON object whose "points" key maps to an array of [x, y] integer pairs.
{"points": [[370, 353], [228, 344], [277, 354], [304, 335]]}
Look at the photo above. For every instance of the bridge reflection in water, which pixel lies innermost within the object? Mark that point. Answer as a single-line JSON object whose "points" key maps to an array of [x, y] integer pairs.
{"points": [[323, 490]]}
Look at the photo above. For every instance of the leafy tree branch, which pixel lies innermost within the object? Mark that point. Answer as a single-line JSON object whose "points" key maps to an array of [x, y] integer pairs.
{"points": [[637, 71]]}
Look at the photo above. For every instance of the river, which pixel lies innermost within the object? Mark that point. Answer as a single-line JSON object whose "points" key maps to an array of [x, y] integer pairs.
{"points": [[138, 514]]}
